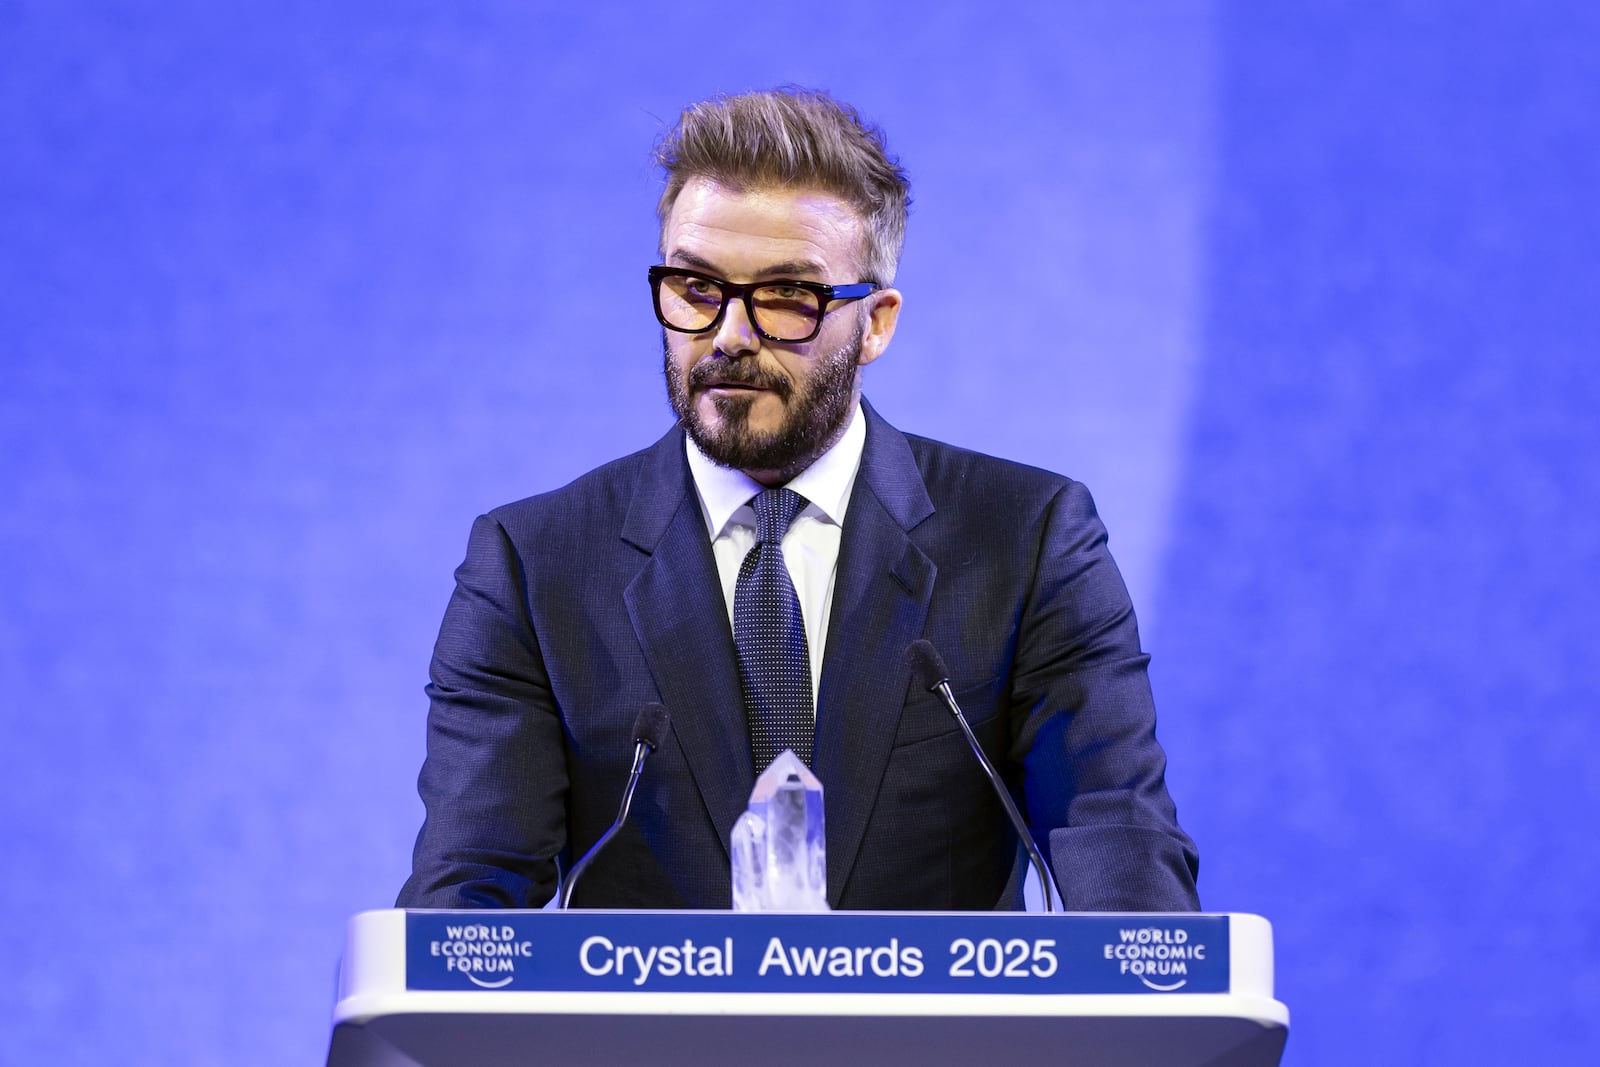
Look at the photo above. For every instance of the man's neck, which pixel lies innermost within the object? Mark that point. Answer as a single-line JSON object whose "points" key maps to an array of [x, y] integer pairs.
{"points": [[826, 482]]}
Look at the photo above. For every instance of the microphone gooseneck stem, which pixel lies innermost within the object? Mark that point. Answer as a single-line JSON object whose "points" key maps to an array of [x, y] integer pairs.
{"points": [[1045, 881], [640, 750]]}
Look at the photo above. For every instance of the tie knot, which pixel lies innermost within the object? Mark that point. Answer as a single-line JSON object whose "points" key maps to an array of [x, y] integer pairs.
{"points": [[775, 510]]}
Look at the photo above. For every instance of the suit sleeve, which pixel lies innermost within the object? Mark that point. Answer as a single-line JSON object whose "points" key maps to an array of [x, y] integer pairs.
{"points": [[494, 782], [1094, 774]]}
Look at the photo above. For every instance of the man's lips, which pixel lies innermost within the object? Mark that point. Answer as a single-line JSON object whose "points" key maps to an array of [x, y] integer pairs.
{"points": [[716, 377], [737, 384]]}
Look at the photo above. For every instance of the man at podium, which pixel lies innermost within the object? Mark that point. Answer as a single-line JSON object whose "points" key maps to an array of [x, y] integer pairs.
{"points": [[761, 572]]}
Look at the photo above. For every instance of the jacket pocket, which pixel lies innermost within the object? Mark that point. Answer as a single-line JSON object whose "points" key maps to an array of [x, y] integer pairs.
{"points": [[926, 716]]}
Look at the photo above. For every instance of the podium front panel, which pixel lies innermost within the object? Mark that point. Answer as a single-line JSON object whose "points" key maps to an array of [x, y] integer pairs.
{"points": [[462, 988]]}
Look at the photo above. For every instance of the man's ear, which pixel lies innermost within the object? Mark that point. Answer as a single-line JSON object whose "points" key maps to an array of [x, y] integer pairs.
{"points": [[882, 315]]}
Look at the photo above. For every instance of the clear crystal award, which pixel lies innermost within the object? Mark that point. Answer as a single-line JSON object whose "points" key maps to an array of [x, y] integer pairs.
{"points": [[778, 846]]}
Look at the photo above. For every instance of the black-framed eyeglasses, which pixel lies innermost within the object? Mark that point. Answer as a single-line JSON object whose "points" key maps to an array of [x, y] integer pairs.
{"points": [[780, 309]]}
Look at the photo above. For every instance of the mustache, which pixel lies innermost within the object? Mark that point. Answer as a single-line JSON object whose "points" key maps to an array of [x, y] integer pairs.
{"points": [[713, 372]]}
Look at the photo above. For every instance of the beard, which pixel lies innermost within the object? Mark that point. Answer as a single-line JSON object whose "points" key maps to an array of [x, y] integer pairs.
{"points": [[815, 413]]}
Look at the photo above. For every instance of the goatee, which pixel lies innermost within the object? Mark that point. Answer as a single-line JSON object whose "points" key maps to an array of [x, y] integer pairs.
{"points": [[815, 414]]}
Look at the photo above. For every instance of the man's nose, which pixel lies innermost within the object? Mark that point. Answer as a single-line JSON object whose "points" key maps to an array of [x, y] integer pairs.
{"points": [[736, 335]]}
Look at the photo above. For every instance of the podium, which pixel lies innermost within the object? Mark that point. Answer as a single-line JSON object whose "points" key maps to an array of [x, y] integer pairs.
{"points": [[497, 988]]}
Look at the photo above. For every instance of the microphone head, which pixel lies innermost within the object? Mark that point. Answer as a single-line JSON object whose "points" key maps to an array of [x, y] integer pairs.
{"points": [[651, 727], [926, 663]]}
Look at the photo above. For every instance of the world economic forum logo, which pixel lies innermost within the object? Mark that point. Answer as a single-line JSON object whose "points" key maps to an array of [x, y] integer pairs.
{"points": [[1157, 956], [485, 955]]}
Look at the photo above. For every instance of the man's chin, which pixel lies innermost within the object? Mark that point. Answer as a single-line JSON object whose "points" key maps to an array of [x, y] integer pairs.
{"points": [[735, 420], [739, 447]]}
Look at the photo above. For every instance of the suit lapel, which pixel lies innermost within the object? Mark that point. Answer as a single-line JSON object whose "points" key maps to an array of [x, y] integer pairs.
{"points": [[880, 604], [677, 610]]}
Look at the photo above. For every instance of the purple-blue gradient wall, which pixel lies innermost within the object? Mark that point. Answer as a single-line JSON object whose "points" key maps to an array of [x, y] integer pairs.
{"points": [[1307, 295]]}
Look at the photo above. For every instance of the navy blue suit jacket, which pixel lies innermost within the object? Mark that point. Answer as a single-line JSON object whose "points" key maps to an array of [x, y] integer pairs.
{"points": [[575, 608]]}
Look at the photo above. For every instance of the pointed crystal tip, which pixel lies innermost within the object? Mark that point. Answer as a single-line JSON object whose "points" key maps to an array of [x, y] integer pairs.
{"points": [[787, 767]]}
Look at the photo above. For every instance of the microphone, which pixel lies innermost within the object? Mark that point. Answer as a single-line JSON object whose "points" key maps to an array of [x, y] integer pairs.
{"points": [[930, 671], [649, 730]]}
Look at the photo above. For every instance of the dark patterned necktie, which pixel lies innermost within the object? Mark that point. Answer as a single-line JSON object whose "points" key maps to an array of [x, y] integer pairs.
{"points": [[770, 636]]}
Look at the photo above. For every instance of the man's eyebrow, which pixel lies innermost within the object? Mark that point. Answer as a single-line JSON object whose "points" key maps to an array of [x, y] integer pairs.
{"points": [[787, 269], [689, 259]]}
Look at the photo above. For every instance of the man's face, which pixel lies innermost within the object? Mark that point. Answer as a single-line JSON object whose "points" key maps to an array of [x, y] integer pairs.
{"points": [[770, 408]]}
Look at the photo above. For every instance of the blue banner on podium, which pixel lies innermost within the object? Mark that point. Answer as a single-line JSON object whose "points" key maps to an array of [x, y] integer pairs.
{"points": [[886, 952]]}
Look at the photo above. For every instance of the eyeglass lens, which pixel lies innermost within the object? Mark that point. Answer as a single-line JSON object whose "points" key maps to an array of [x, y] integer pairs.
{"points": [[781, 311]]}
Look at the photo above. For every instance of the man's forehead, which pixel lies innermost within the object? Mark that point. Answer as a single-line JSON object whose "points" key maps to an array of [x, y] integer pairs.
{"points": [[762, 229]]}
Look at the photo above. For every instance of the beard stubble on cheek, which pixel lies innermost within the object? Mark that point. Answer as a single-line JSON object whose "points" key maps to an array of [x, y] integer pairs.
{"points": [[815, 410]]}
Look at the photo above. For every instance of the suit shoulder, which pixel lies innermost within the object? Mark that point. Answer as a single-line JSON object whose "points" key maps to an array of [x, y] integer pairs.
{"points": [[951, 470], [596, 497]]}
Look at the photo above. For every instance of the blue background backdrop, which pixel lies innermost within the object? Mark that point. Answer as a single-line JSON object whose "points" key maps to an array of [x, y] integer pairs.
{"points": [[1306, 293]]}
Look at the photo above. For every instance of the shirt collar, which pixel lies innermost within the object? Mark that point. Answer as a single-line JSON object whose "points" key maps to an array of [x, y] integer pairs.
{"points": [[826, 483]]}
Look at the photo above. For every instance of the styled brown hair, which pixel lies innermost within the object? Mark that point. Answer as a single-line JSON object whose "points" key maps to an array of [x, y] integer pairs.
{"points": [[793, 137]]}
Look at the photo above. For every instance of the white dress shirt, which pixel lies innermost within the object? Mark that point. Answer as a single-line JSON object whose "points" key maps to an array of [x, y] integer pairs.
{"points": [[811, 546]]}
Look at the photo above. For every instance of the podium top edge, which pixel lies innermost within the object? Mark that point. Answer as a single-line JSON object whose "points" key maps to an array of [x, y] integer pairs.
{"points": [[1144, 915]]}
